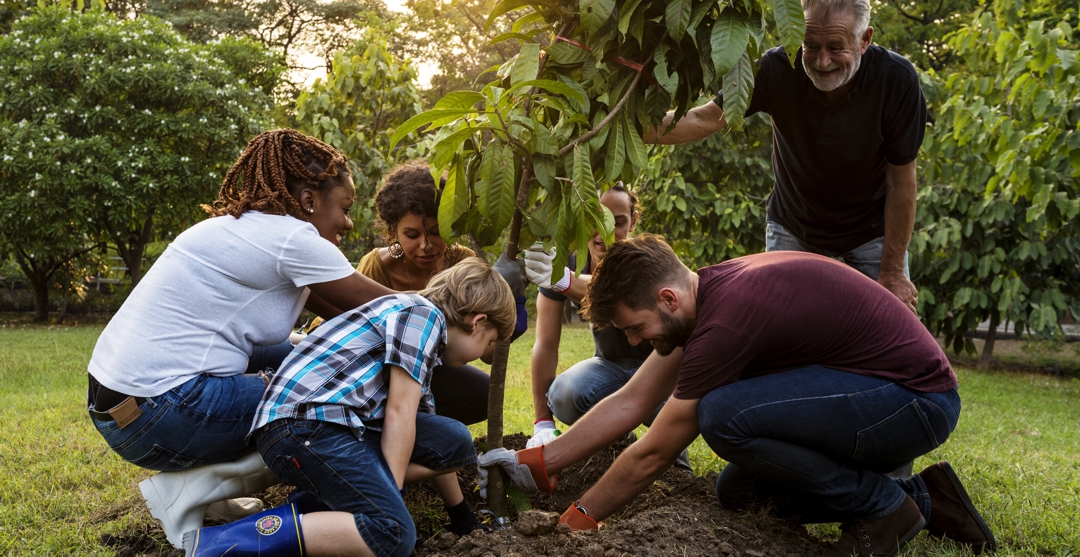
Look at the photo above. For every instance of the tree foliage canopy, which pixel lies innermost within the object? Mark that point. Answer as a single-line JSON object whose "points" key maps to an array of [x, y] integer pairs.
{"points": [[118, 129]]}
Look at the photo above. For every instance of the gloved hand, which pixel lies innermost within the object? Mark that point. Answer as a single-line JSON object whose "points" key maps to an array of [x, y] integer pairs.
{"points": [[513, 272], [521, 324], [538, 268], [578, 520], [544, 432], [524, 468]]}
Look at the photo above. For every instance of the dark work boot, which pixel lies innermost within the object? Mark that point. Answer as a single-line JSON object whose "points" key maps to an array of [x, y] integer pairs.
{"points": [[951, 512], [880, 537]]}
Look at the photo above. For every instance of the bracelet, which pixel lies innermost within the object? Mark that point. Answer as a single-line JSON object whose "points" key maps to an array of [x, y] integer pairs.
{"points": [[580, 509]]}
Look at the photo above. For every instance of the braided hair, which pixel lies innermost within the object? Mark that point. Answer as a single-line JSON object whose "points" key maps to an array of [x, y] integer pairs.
{"points": [[274, 167]]}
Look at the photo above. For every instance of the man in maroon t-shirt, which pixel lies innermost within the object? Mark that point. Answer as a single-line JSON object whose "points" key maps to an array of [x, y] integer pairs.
{"points": [[809, 378]]}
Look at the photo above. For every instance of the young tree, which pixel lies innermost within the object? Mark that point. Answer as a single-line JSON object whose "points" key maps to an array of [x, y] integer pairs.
{"points": [[567, 113], [997, 236], [357, 108], [137, 123]]}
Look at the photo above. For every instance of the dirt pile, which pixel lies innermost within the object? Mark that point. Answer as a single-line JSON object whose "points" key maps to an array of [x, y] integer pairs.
{"points": [[678, 515]]}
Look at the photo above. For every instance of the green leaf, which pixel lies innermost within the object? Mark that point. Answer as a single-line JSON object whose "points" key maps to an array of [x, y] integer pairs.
{"points": [[511, 5], [575, 94], [738, 84], [447, 148], [595, 13], [677, 17], [455, 198], [790, 24], [423, 119], [510, 37], [497, 169], [583, 173], [460, 100], [626, 13], [518, 499], [526, 65], [616, 152], [729, 39], [635, 148], [544, 170]]}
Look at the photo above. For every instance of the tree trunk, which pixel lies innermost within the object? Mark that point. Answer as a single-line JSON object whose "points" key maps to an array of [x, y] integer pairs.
{"points": [[988, 347], [64, 300], [496, 488], [41, 298]]}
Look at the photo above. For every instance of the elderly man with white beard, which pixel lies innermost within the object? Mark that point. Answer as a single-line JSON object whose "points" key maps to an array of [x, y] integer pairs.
{"points": [[848, 120]]}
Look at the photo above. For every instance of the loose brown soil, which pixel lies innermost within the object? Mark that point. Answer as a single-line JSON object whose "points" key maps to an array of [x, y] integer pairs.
{"points": [[677, 515]]}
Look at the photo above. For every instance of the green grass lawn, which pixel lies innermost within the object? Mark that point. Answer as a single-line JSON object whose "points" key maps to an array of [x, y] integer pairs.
{"points": [[1017, 448]]}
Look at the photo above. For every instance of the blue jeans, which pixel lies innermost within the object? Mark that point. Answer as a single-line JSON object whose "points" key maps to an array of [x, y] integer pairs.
{"points": [[815, 442], [586, 383], [203, 421], [350, 474], [866, 258]]}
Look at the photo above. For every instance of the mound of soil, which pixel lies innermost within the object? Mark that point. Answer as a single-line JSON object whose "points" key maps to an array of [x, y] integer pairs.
{"points": [[677, 515]]}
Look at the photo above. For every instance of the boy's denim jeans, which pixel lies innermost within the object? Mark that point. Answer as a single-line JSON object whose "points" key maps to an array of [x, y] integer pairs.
{"points": [[815, 442], [350, 474]]}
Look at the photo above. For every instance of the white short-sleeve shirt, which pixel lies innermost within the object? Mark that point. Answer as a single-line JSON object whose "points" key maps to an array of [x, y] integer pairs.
{"points": [[223, 286]]}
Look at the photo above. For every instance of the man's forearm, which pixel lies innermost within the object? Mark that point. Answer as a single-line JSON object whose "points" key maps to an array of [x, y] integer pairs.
{"points": [[632, 473], [601, 426], [698, 123], [900, 196]]}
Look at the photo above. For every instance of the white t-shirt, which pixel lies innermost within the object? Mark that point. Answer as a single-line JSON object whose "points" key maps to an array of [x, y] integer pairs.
{"points": [[223, 286]]}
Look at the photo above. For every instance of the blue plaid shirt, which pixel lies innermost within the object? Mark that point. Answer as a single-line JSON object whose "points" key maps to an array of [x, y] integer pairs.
{"points": [[339, 372]]}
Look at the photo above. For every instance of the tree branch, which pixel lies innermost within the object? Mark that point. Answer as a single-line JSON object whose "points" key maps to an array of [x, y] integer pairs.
{"points": [[607, 119]]}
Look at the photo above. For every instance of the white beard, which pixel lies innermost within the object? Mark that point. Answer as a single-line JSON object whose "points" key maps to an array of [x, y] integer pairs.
{"points": [[832, 80]]}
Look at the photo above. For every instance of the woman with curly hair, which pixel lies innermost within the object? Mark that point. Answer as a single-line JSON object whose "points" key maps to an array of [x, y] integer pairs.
{"points": [[168, 389], [407, 204]]}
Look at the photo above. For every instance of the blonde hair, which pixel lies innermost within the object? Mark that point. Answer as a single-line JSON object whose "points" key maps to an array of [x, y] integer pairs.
{"points": [[471, 287]]}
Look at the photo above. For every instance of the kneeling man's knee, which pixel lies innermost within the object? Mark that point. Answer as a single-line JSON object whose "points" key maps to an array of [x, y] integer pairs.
{"points": [[716, 420]]}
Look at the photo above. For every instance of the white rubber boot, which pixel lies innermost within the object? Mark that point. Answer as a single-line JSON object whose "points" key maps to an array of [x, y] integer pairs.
{"points": [[178, 500], [233, 509]]}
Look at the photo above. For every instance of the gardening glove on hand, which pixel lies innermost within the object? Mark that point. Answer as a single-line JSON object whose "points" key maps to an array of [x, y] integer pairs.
{"points": [[525, 469], [576, 519], [538, 268], [544, 432], [521, 324], [513, 272]]}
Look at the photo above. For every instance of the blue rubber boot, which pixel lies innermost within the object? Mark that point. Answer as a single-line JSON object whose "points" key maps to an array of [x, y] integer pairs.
{"points": [[271, 532]]}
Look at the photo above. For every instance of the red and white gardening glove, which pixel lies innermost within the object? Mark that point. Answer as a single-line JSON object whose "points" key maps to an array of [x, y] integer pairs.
{"points": [[525, 469], [544, 432], [577, 518], [538, 268]]}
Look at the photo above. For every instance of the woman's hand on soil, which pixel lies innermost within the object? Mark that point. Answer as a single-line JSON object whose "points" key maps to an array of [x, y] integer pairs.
{"points": [[544, 432]]}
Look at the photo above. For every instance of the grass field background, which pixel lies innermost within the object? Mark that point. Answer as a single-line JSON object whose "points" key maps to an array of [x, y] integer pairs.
{"points": [[1017, 448]]}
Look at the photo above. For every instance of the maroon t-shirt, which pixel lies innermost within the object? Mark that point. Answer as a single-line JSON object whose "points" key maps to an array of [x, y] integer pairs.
{"points": [[783, 310]]}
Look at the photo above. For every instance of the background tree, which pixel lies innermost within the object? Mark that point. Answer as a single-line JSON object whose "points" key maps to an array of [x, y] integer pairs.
{"points": [[127, 114], [357, 108], [997, 236]]}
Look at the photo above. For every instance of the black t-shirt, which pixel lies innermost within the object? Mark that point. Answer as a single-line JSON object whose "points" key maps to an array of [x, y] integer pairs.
{"points": [[829, 160], [611, 343]]}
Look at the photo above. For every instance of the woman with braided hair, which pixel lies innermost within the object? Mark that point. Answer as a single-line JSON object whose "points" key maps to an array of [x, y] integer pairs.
{"points": [[168, 388]]}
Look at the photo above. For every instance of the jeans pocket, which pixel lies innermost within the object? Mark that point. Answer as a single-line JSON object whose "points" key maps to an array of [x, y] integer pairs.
{"points": [[160, 458], [904, 435]]}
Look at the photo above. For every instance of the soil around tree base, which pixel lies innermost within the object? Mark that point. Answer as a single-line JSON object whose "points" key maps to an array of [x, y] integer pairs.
{"points": [[677, 515]]}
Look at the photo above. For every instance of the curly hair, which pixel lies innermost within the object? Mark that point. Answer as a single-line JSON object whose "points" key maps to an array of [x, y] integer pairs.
{"points": [[274, 167], [408, 189]]}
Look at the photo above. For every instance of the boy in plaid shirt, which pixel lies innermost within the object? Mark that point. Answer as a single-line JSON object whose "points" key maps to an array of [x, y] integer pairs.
{"points": [[350, 419]]}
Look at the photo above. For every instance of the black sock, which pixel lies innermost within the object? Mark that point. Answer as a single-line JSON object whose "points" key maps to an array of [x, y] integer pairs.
{"points": [[462, 519]]}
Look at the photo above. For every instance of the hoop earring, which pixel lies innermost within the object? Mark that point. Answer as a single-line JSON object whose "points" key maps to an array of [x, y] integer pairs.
{"points": [[395, 250]]}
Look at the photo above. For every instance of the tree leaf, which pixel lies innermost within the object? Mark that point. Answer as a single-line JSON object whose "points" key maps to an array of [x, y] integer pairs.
{"points": [[790, 24], [677, 17], [455, 198], [576, 95], [510, 5], [526, 65], [497, 169], [626, 13], [616, 153], [738, 85], [635, 148], [595, 13], [728, 41], [423, 119]]}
